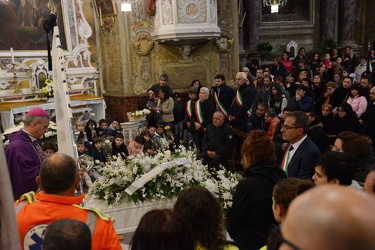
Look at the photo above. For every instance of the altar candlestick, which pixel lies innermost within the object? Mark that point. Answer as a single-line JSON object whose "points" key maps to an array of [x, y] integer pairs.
{"points": [[12, 55], [100, 17]]}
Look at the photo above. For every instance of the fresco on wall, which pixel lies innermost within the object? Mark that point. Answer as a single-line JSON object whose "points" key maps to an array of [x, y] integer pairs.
{"points": [[21, 23], [293, 11]]}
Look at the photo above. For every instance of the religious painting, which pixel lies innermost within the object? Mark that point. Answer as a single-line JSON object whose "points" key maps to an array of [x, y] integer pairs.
{"points": [[105, 8], [22, 24], [293, 11]]}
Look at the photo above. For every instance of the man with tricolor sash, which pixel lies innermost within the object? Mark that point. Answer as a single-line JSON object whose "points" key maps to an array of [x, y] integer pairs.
{"points": [[239, 109], [223, 95], [204, 109], [189, 132]]}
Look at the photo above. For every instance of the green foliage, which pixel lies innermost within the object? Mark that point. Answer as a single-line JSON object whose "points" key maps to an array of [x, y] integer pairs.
{"points": [[328, 44], [265, 48]]}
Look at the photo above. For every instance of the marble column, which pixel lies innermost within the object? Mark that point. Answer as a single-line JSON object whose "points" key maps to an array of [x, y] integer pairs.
{"points": [[253, 22], [328, 19], [348, 11]]}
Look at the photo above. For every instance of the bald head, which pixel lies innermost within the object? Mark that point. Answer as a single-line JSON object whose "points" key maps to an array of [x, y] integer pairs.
{"points": [[58, 174], [331, 217]]}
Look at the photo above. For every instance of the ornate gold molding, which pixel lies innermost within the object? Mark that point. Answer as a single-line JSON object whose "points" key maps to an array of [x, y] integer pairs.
{"points": [[144, 45], [108, 22], [223, 43]]}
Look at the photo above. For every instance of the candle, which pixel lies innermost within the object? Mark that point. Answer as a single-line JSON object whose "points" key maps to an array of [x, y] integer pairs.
{"points": [[12, 55], [100, 17]]}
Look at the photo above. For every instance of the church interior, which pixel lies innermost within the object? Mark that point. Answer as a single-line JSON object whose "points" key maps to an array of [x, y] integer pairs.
{"points": [[116, 49]]}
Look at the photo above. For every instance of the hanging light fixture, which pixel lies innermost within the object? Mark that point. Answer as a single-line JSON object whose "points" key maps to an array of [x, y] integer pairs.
{"points": [[274, 4], [126, 6]]}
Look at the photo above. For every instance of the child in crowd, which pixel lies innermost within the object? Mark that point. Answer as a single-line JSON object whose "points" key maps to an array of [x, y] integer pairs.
{"points": [[150, 146], [81, 151], [90, 129], [179, 115], [118, 146], [161, 138], [136, 146], [80, 131], [49, 148], [97, 151], [152, 130], [114, 128], [101, 131]]}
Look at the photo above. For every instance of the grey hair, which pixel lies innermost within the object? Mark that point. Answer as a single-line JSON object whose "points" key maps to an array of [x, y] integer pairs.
{"points": [[206, 90], [243, 75], [271, 112], [28, 119]]}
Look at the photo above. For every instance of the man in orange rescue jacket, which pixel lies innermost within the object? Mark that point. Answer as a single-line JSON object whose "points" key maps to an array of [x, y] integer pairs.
{"points": [[58, 181]]}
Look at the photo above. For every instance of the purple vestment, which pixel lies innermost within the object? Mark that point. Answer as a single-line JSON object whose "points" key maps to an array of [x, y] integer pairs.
{"points": [[24, 158]]}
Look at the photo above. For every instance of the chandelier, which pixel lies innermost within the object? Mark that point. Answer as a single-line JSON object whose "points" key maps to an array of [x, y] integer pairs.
{"points": [[274, 4]]}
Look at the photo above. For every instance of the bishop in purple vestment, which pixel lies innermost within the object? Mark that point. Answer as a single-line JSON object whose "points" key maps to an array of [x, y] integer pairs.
{"points": [[24, 154]]}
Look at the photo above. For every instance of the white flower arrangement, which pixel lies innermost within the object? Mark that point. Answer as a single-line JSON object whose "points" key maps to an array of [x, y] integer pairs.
{"points": [[119, 175], [139, 112], [50, 135]]}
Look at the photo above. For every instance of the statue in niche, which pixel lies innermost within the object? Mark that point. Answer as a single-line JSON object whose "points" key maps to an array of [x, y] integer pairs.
{"points": [[185, 51], [41, 82]]}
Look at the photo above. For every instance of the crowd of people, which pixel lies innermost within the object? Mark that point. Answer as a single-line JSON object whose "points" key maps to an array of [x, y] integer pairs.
{"points": [[308, 123]]}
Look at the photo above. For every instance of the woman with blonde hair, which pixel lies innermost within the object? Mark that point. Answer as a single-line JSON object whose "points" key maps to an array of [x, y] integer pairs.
{"points": [[250, 217]]}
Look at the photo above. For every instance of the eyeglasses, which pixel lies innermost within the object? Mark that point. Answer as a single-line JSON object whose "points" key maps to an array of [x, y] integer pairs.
{"points": [[286, 127], [277, 239]]}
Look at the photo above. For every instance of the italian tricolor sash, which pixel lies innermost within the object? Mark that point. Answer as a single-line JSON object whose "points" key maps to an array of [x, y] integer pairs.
{"points": [[189, 108], [198, 112], [220, 105], [239, 99]]}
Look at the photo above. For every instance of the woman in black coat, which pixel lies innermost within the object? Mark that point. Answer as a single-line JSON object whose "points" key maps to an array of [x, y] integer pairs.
{"points": [[346, 119], [250, 217]]}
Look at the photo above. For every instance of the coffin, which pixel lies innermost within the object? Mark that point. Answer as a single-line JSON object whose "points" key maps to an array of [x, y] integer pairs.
{"points": [[126, 216]]}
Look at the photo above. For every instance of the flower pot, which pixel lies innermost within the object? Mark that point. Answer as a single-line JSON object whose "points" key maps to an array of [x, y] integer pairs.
{"points": [[136, 118]]}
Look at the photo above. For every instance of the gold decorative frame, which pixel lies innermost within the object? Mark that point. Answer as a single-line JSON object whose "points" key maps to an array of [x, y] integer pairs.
{"points": [[144, 45], [223, 43], [105, 8]]}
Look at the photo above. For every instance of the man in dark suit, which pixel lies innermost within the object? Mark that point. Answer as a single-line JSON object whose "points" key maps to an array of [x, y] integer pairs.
{"points": [[301, 154], [223, 95], [238, 112]]}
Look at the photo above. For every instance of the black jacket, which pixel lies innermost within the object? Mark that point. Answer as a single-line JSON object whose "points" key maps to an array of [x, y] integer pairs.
{"points": [[317, 134], [218, 139], [122, 149], [226, 96], [250, 217], [248, 96]]}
